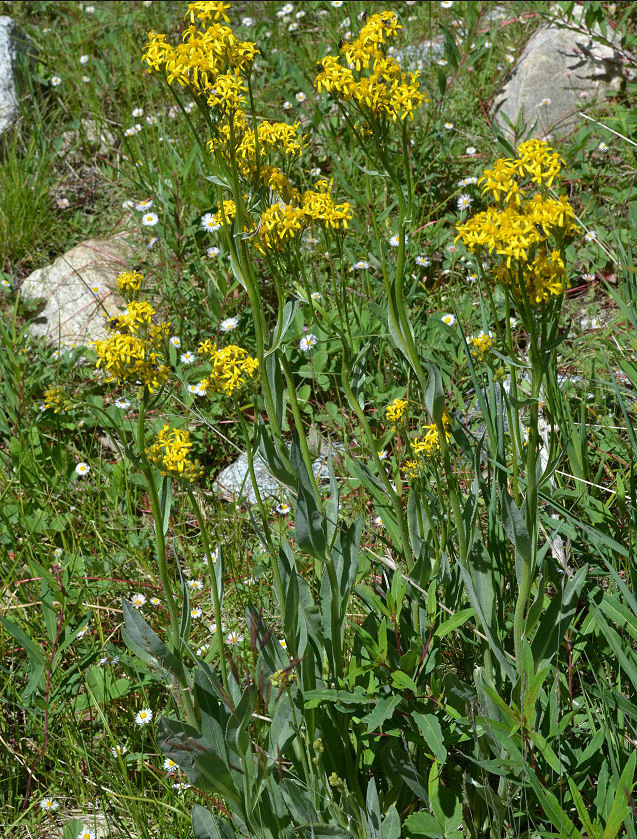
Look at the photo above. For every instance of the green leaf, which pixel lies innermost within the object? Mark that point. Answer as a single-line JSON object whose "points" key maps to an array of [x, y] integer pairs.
{"points": [[390, 828], [432, 734], [621, 806], [382, 711], [207, 826], [142, 636], [435, 395], [454, 622], [422, 824], [402, 680], [555, 621]]}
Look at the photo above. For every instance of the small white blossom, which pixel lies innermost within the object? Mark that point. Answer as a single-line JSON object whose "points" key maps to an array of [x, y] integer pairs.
{"points": [[187, 357], [449, 319], [138, 600], [55, 81], [448, 126], [49, 804], [307, 342], [82, 469], [464, 202], [423, 260], [138, 112], [602, 147], [208, 223], [233, 638], [300, 96], [175, 340], [229, 324], [150, 219], [144, 716], [283, 508], [146, 204], [213, 251], [470, 150]]}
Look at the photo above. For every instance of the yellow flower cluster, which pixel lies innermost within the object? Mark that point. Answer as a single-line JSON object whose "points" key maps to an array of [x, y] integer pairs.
{"points": [[395, 412], [481, 345], [386, 91], [54, 398], [232, 368], [249, 147], [283, 678], [170, 452], [519, 226], [133, 351], [207, 61], [427, 445], [281, 223], [129, 282], [225, 217]]}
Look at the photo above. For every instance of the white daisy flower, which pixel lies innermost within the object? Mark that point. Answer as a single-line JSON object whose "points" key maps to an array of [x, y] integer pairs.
{"points": [[82, 469], [95, 288], [591, 236], [307, 342], [449, 319], [55, 81], [138, 112], [181, 786], [138, 600], [315, 172], [300, 14], [361, 265], [84, 59], [118, 750], [513, 322], [214, 251], [423, 260], [394, 241], [229, 324], [122, 403], [233, 638], [336, 4], [151, 119], [146, 204], [602, 147], [152, 242], [175, 340], [128, 204], [470, 150], [82, 631], [187, 357], [63, 203], [49, 804], [144, 716], [448, 126], [5, 283], [596, 323], [170, 766], [86, 79], [446, 4], [57, 553], [247, 21], [464, 202], [202, 650], [283, 508], [543, 103], [382, 455], [84, 833], [90, 10], [208, 223], [200, 389], [287, 9], [300, 96], [442, 62], [150, 219], [155, 601], [378, 521], [195, 585], [293, 27], [287, 105], [316, 295]]}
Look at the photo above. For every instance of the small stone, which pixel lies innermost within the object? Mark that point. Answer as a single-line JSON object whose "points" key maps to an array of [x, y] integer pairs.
{"points": [[559, 72], [72, 312]]}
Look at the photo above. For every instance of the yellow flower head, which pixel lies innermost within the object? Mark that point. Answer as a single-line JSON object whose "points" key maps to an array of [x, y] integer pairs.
{"points": [[54, 398], [133, 351], [481, 345], [395, 412], [170, 452], [129, 281], [232, 368], [368, 77]]}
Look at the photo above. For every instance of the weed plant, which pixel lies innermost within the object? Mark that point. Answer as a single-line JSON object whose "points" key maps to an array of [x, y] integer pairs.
{"points": [[341, 262]]}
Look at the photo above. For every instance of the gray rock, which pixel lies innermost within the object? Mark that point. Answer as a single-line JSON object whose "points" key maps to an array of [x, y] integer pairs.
{"points": [[90, 135], [11, 42], [417, 57], [234, 483], [567, 69], [72, 312]]}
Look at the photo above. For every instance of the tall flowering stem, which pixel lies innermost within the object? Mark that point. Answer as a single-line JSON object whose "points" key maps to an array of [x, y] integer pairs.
{"points": [[524, 233]]}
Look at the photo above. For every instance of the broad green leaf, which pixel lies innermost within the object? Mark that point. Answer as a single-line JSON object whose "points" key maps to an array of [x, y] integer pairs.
{"points": [[432, 734]]}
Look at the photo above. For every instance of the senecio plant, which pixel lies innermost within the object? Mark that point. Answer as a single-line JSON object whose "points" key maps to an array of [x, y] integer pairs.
{"points": [[345, 727]]}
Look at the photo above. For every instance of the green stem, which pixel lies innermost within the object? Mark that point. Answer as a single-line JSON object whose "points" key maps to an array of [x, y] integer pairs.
{"points": [[216, 600], [298, 422]]}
